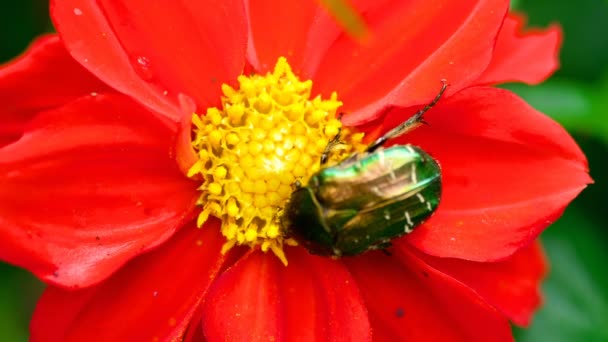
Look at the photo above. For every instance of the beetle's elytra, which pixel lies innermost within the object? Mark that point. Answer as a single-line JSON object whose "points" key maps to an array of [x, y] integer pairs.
{"points": [[368, 199]]}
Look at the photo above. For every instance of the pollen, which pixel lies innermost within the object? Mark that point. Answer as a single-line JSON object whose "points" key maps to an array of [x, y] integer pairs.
{"points": [[268, 135]]}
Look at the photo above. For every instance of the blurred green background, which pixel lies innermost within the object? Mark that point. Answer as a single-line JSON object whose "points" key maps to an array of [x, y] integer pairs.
{"points": [[576, 291]]}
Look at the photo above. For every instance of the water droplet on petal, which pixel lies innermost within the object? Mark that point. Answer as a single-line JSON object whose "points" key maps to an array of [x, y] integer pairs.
{"points": [[77, 11], [143, 67]]}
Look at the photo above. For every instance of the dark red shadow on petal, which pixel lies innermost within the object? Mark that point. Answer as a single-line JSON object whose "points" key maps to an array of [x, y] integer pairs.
{"points": [[89, 186], [155, 51], [508, 172], [184, 152], [44, 77], [511, 285], [528, 56], [12, 126], [260, 299], [415, 45], [151, 299], [411, 301]]}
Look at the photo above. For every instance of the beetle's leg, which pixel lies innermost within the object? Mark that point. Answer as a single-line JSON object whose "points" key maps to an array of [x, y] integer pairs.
{"points": [[330, 145], [410, 124], [333, 142], [383, 246]]}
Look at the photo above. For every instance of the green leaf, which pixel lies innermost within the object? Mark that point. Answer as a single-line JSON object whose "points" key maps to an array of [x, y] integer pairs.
{"points": [[585, 48], [20, 22], [18, 294], [576, 303], [577, 106]]}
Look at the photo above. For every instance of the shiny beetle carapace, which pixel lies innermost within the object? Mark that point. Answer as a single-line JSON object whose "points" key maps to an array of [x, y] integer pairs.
{"points": [[368, 199]]}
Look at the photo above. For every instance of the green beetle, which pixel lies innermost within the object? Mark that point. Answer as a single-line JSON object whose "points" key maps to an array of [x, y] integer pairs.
{"points": [[368, 199]]}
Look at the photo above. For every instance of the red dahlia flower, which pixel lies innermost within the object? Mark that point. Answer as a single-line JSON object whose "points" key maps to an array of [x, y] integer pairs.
{"points": [[101, 189]]}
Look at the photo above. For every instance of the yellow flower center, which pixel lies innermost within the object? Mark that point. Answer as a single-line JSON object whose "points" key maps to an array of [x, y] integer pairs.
{"points": [[268, 134]]}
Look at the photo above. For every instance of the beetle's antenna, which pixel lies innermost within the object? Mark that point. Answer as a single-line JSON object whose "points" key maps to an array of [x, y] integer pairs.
{"points": [[332, 143], [410, 124]]}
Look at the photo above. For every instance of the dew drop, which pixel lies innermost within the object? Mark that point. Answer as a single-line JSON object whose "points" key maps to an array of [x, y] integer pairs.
{"points": [[143, 67], [77, 11]]}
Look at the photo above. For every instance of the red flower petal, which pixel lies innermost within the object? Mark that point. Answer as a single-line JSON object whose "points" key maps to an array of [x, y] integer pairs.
{"points": [[410, 301], [151, 298], [301, 31], [42, 78], [259, 299], [508, 172], [415, 45], [523, 56], [89, 186], [511, 285], [279, 28], [154, 51]]}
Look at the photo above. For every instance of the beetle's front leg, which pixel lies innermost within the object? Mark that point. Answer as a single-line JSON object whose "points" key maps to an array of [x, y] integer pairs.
{"points": [[384, 246], [409, 125]]}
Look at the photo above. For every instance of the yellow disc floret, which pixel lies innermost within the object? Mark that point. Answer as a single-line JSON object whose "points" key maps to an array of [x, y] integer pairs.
{"points": [[268, 134]]}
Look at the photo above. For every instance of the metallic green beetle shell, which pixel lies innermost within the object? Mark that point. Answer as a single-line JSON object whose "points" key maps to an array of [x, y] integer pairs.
{"points": [[365, 201]]}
